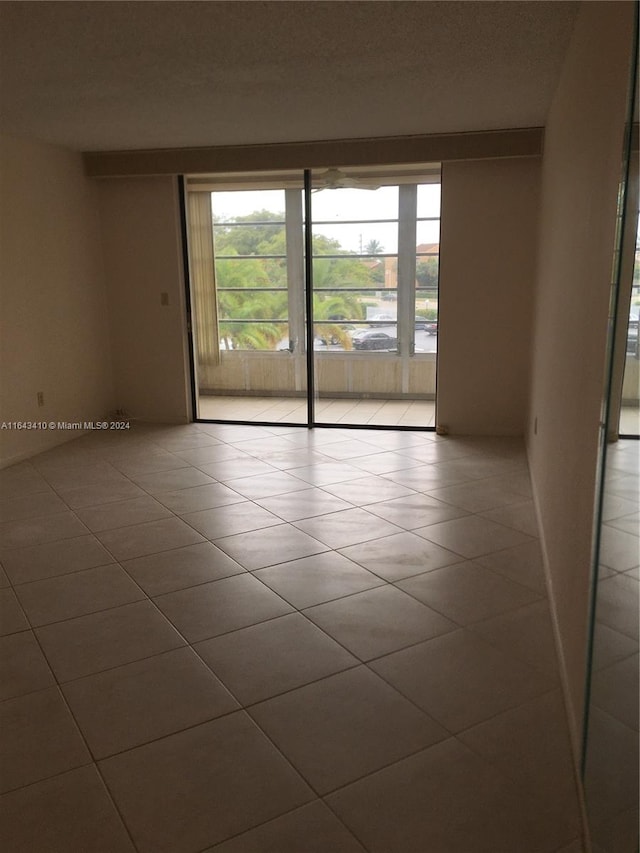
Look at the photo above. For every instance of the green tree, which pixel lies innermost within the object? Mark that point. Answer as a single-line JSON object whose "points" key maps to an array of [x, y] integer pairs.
{"points": [[340, 272], [376, 271], [255, 240], [271, 308], [374, 247], [427, 273], [334, 309], [245, 267], [427, 313], [245, 273]]}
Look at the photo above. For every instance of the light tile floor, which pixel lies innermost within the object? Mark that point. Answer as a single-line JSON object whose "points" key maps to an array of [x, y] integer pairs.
{"points": [[629, 420], [407, 413], [245, 639], [612, 788]]}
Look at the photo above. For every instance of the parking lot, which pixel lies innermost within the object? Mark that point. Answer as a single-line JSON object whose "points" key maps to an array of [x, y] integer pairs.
{"points": [[423, 340]]}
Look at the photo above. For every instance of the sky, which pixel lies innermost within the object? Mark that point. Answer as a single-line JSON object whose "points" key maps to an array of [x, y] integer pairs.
{"points": [[336, 206]]}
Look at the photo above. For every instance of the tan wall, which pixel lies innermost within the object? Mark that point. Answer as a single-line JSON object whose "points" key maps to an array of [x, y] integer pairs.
{"points": [[53, 323], [487, 261], [581, 169], [488, 251], [141, 240]]}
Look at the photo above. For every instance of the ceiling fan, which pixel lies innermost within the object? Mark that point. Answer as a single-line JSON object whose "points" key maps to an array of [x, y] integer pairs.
{"points": [[334, 179]]}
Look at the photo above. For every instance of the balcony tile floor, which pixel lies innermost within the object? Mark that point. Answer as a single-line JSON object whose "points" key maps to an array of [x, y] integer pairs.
{"points": [[406, 413], [246, 639], [412, 413]]}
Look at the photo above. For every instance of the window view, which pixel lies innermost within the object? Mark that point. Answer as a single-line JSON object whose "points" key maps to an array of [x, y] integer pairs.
{"points": [[630, 409], [375, 253], [250, 269], [427, 264], [355, 268], [632, 332], [355, 243]]}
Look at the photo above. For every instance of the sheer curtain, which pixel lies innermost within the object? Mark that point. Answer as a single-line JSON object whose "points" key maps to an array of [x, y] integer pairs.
{"points": [[203, 280]]}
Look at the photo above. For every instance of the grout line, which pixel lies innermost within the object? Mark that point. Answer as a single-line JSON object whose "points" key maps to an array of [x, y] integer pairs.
{"points": [[93, 761], [357, 662]]}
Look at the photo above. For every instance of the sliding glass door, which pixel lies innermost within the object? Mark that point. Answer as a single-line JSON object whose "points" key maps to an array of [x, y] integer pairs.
{"points": [[247, 284], [629, 420], [346, 336], [375, 305]]}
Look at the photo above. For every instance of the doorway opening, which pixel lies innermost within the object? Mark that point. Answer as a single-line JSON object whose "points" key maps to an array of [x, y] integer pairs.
{"points": [[314, 296]]}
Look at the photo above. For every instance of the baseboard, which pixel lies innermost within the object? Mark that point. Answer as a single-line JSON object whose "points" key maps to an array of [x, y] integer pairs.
{"points": [[68, 436], [575, 734]]}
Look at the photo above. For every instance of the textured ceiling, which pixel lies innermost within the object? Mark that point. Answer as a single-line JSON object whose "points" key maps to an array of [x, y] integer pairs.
{"points": [[123, 75]]}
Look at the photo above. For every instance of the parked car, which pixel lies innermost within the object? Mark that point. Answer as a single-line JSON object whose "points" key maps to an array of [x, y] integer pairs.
{"points": [[382, 318], [424, 325], [371, 339], [327, 338]]}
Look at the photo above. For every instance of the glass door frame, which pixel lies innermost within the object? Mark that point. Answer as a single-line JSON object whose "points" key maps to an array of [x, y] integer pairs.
{"points": [[301, 322]]}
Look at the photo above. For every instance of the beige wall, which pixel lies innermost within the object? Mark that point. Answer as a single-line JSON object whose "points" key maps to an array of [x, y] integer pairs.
{"points": [[487, 262], [488, 254], [141, 241], [581, 169], [53, 325], [483, 375]]}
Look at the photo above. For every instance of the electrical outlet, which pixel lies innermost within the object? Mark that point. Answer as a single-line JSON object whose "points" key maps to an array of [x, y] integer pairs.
{"points": [[40, 398]]}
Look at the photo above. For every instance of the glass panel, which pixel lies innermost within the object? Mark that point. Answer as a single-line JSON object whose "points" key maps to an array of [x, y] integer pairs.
{"points": [[375, 269], [426, 319], [341, 306], [361, 238], [426, 304], [427, 269], [248, 299], [250, 272], [253, 335], [246, 239], [428, 200], [630, 404], [369, 343], [349, 273], [355, 205], [382, 337], [428, 235], [236, 205]]}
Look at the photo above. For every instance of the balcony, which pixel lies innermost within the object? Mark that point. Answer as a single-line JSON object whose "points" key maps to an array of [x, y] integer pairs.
{"points": [[374, 389]]}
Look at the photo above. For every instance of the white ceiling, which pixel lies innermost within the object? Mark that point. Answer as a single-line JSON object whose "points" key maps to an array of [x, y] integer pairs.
{"points": [[122, 75]]}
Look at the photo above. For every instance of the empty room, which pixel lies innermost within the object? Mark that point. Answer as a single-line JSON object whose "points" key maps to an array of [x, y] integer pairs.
{"points": [[319, 408]]}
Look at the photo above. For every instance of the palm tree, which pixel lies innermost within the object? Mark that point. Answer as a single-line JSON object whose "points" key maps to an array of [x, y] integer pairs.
{"points": [[373, 247], [337, 308], [271, 308]]}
